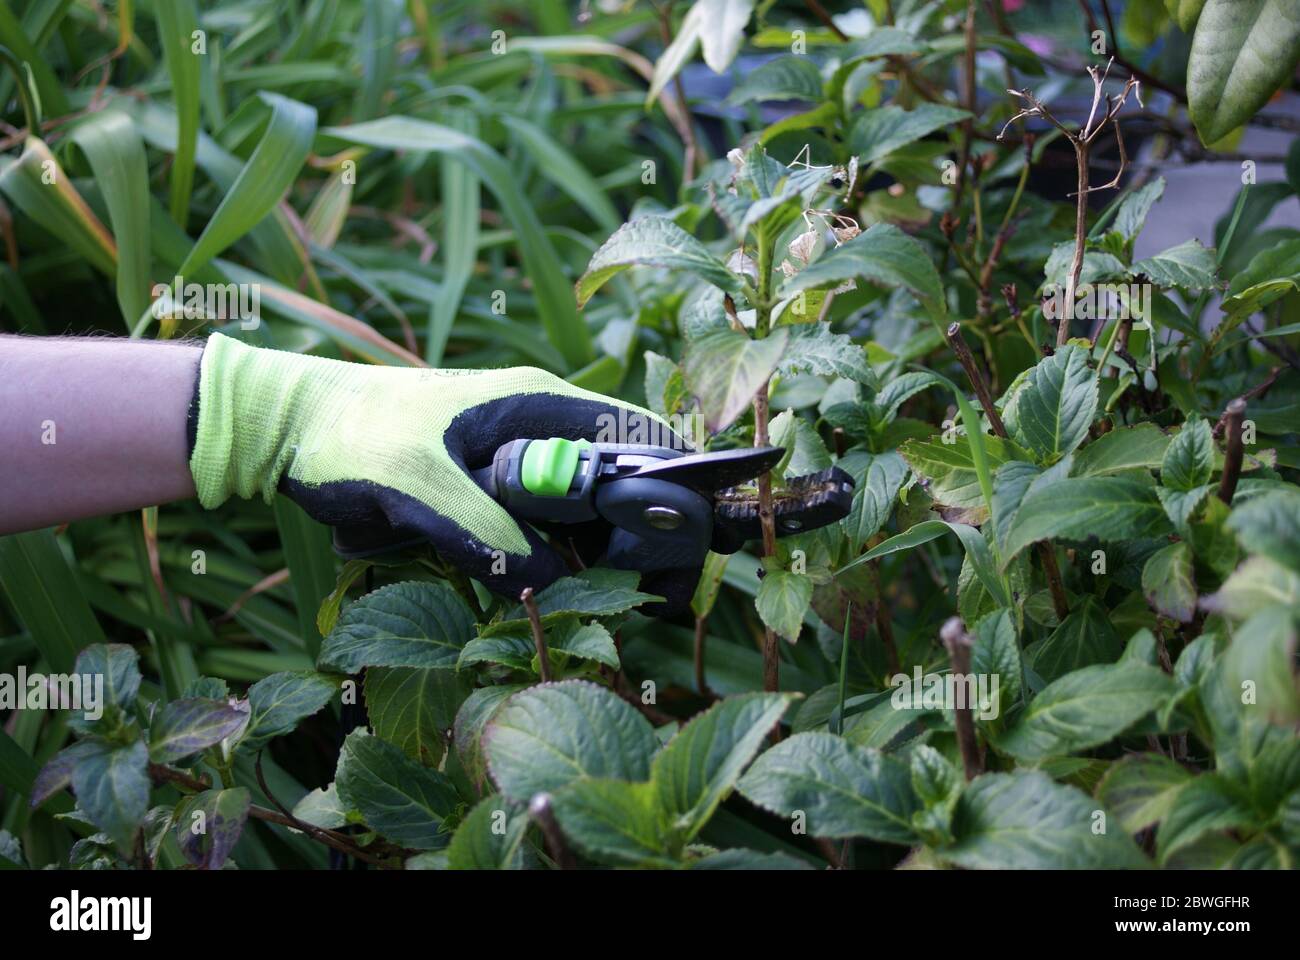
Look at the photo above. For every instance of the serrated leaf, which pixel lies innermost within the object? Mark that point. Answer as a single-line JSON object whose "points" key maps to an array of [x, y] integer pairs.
{"points": [[1242, 51], [491, 837], [1126, 448], [741, 859], [1051, 412], [884, 255], [947, 470], [813, 348], [1269, 525], [1209, 803], [552, 734], [413, 709], [658, 242], [1132, 213], [842, 789], [1189, 461], [208, 825], [112, 788], [1169, 583], [401, 625], [879, 132], [1140, 788], [699, 767], [1078, 508], [118, 664], [1084, 709], [996, 653], [471, 720], [398, 798], [1271, 274], [782, 600], [185, 727], [1261, 659], [1085, 637], [1025, 821], [1256, 584], [877, 479], [615, 822], [591, 593], [1188, 266], [725, 369], [278, 703]]}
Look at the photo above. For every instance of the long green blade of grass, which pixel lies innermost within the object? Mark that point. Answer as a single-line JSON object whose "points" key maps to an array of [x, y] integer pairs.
{"points": [[177, 21], [461, 204], [555, 299], [309, 555], [116, 154], [44, 593]]}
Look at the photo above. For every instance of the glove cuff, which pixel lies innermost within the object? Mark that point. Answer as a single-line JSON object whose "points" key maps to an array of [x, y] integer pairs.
{"points": [[244, 417]]}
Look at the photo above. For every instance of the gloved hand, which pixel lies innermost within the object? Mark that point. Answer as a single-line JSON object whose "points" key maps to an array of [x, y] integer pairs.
{"points": [[352, 443]]}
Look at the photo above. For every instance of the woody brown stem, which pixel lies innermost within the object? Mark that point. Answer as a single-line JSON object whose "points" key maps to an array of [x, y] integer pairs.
{"points": [[1051, 571], [1233, 417], [539, 808], [539, 637], [958, 642]]}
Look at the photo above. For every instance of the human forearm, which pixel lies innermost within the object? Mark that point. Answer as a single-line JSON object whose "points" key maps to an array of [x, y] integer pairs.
{"points": [[91, 426]]}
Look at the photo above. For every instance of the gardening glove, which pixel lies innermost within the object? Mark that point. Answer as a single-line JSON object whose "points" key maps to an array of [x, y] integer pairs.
{"points": [[353, 443]]}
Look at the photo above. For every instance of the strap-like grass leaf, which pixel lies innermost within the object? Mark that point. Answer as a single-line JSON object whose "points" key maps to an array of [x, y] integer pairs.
{"points": [[177, 21]]}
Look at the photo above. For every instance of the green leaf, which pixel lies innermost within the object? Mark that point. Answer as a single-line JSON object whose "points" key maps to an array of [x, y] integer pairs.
{"points": [[877, 479], [112, 788], [1271, 274], [176, 25], [1085, 709], [1185, 12], [699, 767], [725, 369], [843, 790], [615, 822], [413, 709], [116, 154], [1053, 408], [914, 536], [321, 808], [471, 720], [1189, 461], [879, 132], [1209, 803], [653, 241], [1181, 505], [397, 797], [1140, 789], [278, 703], [1188, 266], [947, 470], [1261, 659], [401, 625], [884, 255], [678, 53], [785, 78], [1269, 525], [1024, 821], [119, 665], [564, 170], [996, 653], [813, 348], [1126, 448], [1108, 508], [1242, 51], [1169, 582], [186, 727], [1132, 213], [1256, 584], [61, 623], [591, 593], [783, 599], [491, 837], [270, 171], [1083, 638], [901, 389], [310, 559], [551, 734], [208, 825], [741, 859]]}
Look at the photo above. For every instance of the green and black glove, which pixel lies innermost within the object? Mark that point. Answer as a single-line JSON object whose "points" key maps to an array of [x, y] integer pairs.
{"points": [[353, 443]]}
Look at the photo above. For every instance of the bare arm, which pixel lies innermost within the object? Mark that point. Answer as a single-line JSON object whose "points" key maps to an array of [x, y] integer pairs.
{"points": [[91, 426]]}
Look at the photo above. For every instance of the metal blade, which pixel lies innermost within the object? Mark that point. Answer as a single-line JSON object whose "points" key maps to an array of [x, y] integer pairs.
{"points": [[707, 473]]}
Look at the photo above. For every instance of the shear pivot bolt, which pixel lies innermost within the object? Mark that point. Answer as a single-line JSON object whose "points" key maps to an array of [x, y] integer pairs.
{"points": [[791, 525], [663, 518]]}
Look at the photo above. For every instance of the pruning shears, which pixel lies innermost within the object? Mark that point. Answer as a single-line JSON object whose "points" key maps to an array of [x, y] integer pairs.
{"points": [[667, 508]]}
